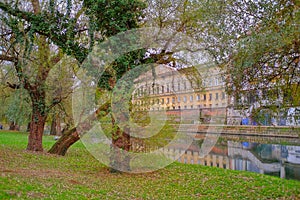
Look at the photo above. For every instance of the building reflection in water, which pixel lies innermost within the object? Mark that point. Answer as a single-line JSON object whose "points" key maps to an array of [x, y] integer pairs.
{"points": [[273, 159]]}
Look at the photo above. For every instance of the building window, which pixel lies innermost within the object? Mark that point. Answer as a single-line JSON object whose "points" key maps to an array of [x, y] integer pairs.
{"points": [[157, 90], [184, 85], [223, 95], [198, 97], [191, 98], [209, 82], [162, 89], [157, 101], [179, 107], [168, 88], [204, 97], [184, 99], [223, 79], [168, 100], [178, 86], [217, 96], [210, 97], [173, 99], [178, 99], [192, 106], [162, 101], [185, 107]]}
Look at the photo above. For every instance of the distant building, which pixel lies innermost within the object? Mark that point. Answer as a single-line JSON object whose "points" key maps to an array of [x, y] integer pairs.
{"points": [[200, 96], [186, 91]]}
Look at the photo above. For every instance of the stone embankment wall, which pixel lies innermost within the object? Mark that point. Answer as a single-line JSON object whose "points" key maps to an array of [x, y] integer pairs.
{"points": [[271, 131]]}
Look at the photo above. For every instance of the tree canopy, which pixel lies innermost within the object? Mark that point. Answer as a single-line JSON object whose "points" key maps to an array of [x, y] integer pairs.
{"points": [[258, 44]]}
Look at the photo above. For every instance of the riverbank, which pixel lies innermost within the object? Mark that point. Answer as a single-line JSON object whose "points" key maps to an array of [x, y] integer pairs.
{"points": [[243, 130], [78, 175]]}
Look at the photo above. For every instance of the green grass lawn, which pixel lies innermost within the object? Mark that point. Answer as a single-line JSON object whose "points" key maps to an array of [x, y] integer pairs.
{"points": [[27, 175]]}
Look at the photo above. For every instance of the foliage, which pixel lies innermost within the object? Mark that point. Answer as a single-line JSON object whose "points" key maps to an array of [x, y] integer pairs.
{"points": [[257, 43], [120, 67], [59, 87], [118, 15], [5, 92], [18, 108]]}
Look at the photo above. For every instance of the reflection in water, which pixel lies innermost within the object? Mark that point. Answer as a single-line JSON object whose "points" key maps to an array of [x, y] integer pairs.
{"points": [[273, 159]]}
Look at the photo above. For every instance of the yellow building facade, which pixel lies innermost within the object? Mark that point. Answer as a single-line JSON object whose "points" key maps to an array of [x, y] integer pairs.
{"points": [[181, 90]]}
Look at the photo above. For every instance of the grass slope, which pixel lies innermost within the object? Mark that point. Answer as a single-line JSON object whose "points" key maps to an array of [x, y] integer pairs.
{"points": [[27, 175]]}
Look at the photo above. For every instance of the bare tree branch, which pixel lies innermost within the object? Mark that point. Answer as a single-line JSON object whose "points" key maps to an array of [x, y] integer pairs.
{"points": [[8, 58]]}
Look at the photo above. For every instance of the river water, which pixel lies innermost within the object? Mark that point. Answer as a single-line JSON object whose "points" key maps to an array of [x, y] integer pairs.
{"points": [[273, 156]]}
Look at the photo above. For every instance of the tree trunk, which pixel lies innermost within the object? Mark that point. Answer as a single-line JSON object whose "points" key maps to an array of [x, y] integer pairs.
{"points": [[55, 126], [28, 127], [62, 145], [35, 141], [53, 130], [119, 158], [58, 127], [14, 127], [38, 118], [71, 136]]}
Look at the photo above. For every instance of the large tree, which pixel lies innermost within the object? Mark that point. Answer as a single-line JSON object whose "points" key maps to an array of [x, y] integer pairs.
{"points": [[39, 30], [117, 17], [257, 43], [32, 57]]}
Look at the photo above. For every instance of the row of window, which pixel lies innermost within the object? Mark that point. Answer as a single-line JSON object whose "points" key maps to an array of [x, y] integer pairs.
{"points": [[185, 99], [171, 87], [159, 89], [183, 107]]}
